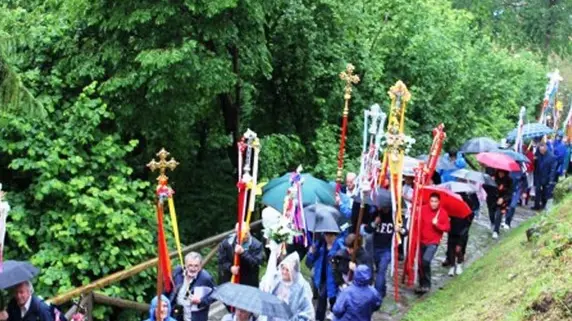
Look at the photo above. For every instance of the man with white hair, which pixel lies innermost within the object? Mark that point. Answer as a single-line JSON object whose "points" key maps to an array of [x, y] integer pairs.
{"points": [[25, 306], [192, 290]]}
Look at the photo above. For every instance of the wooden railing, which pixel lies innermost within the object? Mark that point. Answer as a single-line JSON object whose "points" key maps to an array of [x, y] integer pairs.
{"points": [[89, 296]]}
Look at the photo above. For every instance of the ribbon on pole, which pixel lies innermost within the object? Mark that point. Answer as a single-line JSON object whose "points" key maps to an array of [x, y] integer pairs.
{"points": [[349, 77], [294, 206], [519, 141], [549, 101], [163, 192], [370, 164], [435, 152], [397, 143], [4, 209], [245, 180], [567, 126]]}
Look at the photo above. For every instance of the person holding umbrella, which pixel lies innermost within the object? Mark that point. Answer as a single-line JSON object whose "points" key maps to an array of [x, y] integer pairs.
{"points": [[504, 196], [25, 306], [544, 175], [319, 258], [434, 222]]}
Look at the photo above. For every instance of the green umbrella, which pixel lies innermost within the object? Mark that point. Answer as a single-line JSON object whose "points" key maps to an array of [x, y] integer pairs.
{"points": [[314, 190]]}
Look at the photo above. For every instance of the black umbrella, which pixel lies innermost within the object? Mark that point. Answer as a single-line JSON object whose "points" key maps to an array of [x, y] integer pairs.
{"points": [[380, 199], [322, 218], [252, 300], [479, 145], [474, 176], [442, 163], [16, 272]]}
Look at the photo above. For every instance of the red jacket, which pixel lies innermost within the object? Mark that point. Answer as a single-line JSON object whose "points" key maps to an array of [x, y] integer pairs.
{"points": [[432, 233]]}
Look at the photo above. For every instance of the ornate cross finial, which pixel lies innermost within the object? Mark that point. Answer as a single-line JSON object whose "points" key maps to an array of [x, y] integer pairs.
{"points": [[162, 165], [399, 90], [349, 77]]}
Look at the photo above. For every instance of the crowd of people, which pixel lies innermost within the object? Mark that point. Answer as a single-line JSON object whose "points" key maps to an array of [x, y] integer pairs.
{"points": [[347, 283]]}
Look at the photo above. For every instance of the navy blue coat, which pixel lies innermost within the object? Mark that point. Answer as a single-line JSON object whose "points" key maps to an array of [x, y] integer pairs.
{"points": [[39, 311], [203, 279], [544, 168]]}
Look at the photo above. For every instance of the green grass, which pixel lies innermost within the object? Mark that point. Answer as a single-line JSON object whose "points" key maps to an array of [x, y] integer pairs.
{"points": [[516, 281]]}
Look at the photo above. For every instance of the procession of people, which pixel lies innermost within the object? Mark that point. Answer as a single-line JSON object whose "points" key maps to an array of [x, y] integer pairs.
{"points": [[385, 222]]}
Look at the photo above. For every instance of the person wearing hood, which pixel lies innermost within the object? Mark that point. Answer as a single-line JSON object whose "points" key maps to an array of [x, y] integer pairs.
{"points": [[319, 258], [359, 301], [291, 288], [164, 310], [559, 148]]}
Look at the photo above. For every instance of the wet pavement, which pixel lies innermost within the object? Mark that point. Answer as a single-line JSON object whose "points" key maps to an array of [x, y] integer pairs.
{"points": [[480, 241]]}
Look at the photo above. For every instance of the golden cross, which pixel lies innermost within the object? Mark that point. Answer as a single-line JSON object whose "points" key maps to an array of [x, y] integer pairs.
{"points": [[349, 77], [162, 164]]}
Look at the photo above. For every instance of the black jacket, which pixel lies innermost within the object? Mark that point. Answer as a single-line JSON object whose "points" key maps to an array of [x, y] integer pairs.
{"points": [[250, 261], [341, 263], [38, 311]]}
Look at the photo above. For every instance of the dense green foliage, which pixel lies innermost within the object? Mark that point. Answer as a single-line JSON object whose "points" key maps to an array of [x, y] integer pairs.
{"points": [[121, 79]]}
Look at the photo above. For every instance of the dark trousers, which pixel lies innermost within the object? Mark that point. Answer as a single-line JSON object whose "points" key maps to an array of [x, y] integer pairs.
{"points": [[542, 195], [455, 249], [498, 219], [492, 210], [428, 252], [323, 303], [509, 215]]}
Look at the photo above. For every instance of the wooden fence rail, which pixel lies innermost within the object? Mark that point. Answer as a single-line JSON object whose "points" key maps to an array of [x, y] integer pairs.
{"points": [[90, 296]]}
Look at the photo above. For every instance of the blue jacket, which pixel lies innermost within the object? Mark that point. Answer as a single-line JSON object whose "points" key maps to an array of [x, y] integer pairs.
{"points": [[202, 279], [460, 163], [560, 150], [314, 260], [544, 168], [153, 308], [359, 301], [39, 311]]}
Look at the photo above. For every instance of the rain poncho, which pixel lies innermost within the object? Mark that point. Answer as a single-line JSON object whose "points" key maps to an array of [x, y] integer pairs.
{"points": [[153, 307], [297, 293], [359, 301]]}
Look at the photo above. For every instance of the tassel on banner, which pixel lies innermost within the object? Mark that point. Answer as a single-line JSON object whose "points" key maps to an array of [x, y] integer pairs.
{"points": [[175, 226]]}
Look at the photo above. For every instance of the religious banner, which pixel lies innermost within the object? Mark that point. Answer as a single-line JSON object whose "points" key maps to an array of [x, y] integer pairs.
{"points": [[4, 209], [367, 179], [293, 209], [549, 101], [397, 143], [248, 149], [349, 77], [163, 192]]}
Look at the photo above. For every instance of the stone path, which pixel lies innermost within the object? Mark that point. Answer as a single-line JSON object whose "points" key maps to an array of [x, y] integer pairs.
{"points": [[480, 242]]}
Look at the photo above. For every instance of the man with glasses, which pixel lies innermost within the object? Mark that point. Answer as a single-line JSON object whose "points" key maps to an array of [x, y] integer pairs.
{"points": [[192, 290]]}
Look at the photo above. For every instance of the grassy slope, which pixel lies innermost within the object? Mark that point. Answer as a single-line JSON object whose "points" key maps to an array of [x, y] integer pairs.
{"points": [[512, 277]]}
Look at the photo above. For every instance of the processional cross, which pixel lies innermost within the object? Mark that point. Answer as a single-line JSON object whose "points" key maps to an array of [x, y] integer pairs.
{"points": [[162, 165]]}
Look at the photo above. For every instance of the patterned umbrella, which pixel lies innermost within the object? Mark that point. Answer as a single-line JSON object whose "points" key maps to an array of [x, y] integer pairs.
{"points": [[514, 155], [530, 131], [479, 145]]}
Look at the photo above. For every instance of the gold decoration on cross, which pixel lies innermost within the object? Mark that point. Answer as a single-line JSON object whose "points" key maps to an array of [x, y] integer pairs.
{"points": [[349, 77], [399, 90], [163, 164]]}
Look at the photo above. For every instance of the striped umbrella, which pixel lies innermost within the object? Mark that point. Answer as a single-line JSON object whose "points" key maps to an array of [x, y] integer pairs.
{"points": [[530, 131]]}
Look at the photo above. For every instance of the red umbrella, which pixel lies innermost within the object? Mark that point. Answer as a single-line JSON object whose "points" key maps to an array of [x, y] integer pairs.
{"points": [[451, 202], [498, 161]]}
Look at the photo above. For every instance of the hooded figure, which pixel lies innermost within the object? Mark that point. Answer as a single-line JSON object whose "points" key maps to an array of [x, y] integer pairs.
{"points": [[291, 288], [359, 301], [155, 305]]}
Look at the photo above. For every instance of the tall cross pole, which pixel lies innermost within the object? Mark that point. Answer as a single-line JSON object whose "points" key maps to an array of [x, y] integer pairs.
{"points": [[350, 79], [163, 264]]}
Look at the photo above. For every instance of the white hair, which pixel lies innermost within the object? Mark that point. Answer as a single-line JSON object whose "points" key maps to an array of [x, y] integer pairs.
{"points": [[351, 175], [194, 256]]}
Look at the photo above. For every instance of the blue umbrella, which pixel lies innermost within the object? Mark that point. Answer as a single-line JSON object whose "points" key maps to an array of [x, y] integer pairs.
{"points": [[16, 272], [514, 155], [530, 131], [314, 191], [479, 145]]}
